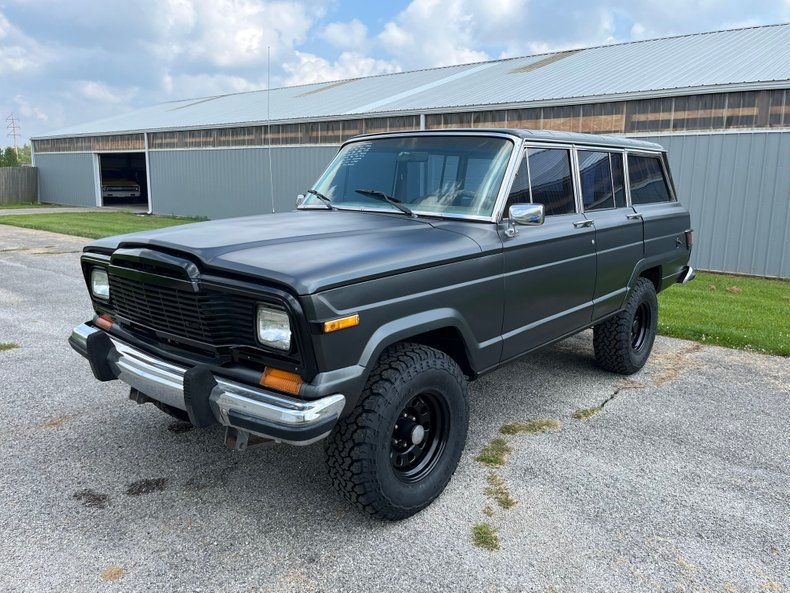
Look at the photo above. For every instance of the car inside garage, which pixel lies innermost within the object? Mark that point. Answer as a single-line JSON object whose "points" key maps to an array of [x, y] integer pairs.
{"points": [[123, 179]]}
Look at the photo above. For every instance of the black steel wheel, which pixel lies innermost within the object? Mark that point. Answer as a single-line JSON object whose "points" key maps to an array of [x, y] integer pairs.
{"points": [[624, 341], [395, 452], [640, 326], [419, 436]]}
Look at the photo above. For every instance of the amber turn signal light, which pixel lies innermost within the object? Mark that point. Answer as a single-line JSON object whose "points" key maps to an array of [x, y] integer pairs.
{"points": [[104, 321], [342, 323], [282, 380]]}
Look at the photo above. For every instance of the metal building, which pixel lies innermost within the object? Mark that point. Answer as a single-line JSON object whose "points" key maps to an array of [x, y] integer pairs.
{"points": [[719, 102]]}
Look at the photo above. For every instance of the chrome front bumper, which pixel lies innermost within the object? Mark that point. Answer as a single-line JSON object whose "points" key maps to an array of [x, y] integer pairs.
{"points": [[246, 408]]}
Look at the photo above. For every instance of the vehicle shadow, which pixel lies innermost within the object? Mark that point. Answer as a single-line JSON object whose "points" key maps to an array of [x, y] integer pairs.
{"points": [[195, 471]]}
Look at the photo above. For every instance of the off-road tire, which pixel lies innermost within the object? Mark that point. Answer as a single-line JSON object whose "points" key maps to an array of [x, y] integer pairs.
{"points": [[358, 451], [613, 339]]}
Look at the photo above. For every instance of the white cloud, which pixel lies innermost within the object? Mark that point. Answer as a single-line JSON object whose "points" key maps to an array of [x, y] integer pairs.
{"points": [[440, 33], [186, 86], [350, 35], [99, 92], [19, 54], [307, 68], [27, 110], [232, 33]]}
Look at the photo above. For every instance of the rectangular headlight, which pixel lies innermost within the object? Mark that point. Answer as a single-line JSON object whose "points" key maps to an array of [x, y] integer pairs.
{"points": [[100, 284], [274, 328]]}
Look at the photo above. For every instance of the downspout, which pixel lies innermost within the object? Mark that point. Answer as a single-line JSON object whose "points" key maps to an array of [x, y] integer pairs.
{"points": [[33, 164], [148, 173]]}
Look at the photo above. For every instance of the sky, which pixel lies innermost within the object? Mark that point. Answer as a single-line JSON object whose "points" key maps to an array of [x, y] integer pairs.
{"points": [[68, 62]]}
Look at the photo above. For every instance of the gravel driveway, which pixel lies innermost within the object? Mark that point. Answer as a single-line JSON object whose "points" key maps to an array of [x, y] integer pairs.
{"points": [[681, 482]]}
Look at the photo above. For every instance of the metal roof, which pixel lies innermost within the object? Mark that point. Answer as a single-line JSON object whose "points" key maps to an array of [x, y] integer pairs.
{"points": [[738, 59]]}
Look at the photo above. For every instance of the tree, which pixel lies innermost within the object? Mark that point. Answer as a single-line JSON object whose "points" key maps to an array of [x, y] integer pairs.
{"points": [[9, 157], [24, 155]]}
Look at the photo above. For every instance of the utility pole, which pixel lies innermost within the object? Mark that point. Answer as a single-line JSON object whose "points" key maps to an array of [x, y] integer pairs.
{"points": [[14, 131]]}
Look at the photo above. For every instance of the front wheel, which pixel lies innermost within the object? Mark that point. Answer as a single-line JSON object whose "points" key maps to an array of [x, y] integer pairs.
{"points": [[395, 452], [623, 342]]}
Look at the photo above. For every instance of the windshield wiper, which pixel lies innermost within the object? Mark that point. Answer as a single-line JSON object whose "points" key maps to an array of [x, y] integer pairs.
{"points": [[322, 197], [374, 193]]}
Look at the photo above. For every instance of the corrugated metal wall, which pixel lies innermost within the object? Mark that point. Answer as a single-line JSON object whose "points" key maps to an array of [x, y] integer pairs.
{"points": [[66, 178], [233, 182], [737, 187]]}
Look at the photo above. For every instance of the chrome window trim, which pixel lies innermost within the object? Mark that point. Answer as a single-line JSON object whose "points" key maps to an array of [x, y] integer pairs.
{"points": [[627, 181], [627, 188], [661, 156], [577, 180], [385, 210], [504, 187], [526, 145]]}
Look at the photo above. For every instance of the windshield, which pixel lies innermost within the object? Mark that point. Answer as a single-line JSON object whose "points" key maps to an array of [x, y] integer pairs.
{"points": [[458, 175]]}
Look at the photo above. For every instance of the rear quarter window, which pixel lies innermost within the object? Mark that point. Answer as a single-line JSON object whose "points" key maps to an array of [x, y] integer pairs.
{"points": [[647, 181]]}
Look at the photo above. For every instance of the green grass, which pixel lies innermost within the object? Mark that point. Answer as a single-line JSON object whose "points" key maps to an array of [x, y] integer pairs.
{"points": [[485, 536], [495, 453], [28, 205], [498, 491], [731, 311], [93, 224], [8, 346], [531, 427], [585, 413]]}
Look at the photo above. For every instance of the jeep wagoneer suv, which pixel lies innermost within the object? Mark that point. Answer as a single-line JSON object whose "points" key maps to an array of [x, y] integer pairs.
{"points": [[418, 262]]}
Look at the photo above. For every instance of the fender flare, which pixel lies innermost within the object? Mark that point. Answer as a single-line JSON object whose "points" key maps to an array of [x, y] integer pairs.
{"points": [[412, 325], [642, 265]]}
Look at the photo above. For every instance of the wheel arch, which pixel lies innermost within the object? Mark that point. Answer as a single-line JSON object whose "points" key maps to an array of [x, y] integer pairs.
{"points": [[650, 268], [443, 329]]}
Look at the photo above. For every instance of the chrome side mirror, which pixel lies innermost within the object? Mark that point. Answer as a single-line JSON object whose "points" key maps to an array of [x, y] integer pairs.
{"points": [[300, 200], [527, 214]]}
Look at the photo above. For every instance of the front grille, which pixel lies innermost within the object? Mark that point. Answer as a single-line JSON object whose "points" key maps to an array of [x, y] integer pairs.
{"points": [[210, 317]]}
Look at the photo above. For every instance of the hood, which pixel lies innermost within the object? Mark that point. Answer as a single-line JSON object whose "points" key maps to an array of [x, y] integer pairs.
{"points": [[308, 250]]}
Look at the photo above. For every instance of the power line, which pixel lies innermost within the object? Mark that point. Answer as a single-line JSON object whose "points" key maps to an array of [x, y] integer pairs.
{"points": [[14, 130]]}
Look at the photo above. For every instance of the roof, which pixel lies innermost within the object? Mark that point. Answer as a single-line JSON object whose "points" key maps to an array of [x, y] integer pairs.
{"points": [[737, 59], [536, 135]]}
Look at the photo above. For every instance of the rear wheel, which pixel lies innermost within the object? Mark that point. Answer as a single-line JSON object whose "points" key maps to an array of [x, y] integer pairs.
{"points": [[623, 342], [397, 450]]}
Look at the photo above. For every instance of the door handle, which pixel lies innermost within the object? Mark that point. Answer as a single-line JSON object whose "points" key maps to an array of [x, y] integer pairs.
{"points": [[634, 216], [582, 223]]}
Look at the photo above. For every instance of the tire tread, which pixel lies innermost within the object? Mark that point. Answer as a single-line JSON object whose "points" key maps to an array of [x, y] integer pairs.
{"points": [[612, 338], [351, 447]]}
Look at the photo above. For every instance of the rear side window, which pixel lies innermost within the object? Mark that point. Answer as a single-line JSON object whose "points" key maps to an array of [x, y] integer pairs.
{"points": [[646, 176], [602, 180], [550, 177]]}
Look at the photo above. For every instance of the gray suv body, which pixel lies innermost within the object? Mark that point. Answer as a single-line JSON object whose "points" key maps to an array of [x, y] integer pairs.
{"points": [[418, 262]]}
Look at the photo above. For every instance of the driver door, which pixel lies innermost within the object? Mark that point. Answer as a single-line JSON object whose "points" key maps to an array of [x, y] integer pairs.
{"points": [[549, 269]]}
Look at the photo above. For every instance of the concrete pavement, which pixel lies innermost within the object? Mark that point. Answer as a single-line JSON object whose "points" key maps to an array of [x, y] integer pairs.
{"points": [[680, 483]]}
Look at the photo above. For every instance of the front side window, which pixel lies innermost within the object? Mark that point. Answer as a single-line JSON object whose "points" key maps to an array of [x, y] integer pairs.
{"points": [[458, 175], [601, 176], [550, 180], [647, 182], [519, 191]]}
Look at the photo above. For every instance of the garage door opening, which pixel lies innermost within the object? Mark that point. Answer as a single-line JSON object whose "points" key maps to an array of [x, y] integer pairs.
{"points": [[123, 181]]}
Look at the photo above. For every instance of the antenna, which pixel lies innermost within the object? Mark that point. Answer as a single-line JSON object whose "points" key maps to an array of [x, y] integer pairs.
{"points": [[14, 131], [269, 118]]}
